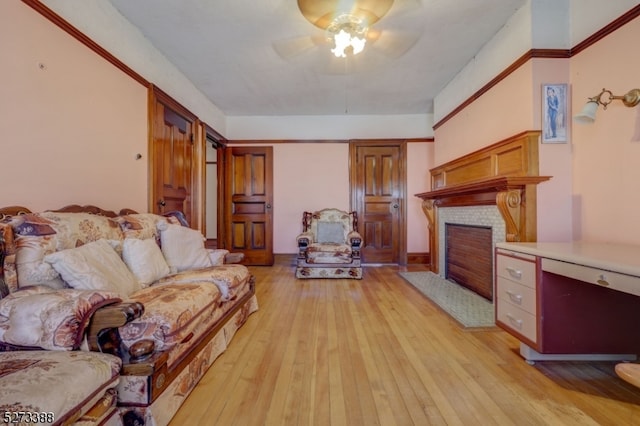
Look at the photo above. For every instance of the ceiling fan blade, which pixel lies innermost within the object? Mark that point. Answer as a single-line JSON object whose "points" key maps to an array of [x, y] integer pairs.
{"points": [[392, 44], [310, 52], [383, 41], [296, 46], [402, 8]]}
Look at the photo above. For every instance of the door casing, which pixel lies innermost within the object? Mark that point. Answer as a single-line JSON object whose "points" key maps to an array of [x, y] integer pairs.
{"points": [[358, 192]]}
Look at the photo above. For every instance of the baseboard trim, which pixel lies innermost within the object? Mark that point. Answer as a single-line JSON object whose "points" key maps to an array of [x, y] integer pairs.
{"points": [[418, 258], [285, 258]]}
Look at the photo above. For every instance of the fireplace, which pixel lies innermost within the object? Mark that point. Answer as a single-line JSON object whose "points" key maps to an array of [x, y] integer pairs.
{"points": [[469, 257], [494, 187], [485, 216], [468, 218]]}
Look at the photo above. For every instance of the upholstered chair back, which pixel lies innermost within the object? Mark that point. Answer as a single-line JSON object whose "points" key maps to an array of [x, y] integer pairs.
{"points": [[330, 225]]}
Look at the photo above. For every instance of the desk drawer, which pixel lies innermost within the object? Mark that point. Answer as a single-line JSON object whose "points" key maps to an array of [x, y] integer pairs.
{"points": [[613, 280], [517, 294], [516, 270], [517, 319]]}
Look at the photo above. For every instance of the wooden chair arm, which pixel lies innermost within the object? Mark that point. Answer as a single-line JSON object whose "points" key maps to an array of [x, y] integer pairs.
{"points": [[304, 240], [102, 333]]}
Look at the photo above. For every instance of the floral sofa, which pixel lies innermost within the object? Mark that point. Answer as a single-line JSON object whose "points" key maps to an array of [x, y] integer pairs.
{"points": [[134, 297]]}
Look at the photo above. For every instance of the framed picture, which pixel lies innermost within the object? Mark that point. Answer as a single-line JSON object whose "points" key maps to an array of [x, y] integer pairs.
{"points": [[555, 114]]}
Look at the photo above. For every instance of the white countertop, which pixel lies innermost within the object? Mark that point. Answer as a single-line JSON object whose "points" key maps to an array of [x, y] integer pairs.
{"points": [[621, 258]]}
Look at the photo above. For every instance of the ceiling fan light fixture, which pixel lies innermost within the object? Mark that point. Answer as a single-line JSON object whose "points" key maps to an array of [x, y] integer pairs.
{"points": [[348, 34], [322, 13]]}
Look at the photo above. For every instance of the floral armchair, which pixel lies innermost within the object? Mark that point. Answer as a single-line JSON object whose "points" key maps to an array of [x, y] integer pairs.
{"points": [[329, 245]]}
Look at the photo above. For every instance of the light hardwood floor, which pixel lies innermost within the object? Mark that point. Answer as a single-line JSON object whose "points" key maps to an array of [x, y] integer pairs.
{"points": [[377, 352]]}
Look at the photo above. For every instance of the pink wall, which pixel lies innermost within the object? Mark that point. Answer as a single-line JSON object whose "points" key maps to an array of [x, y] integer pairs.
{"points": [[312, 176], [509, 108], [75, 127], [592, 195], [306, 177], [83, 149], [419, 161], [504, 111], [554, 196], [606, 161], [71, 123]]}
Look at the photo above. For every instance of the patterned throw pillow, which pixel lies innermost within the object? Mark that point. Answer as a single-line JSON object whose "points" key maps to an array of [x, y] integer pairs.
{"points": [[142, 225], [40, 234]]}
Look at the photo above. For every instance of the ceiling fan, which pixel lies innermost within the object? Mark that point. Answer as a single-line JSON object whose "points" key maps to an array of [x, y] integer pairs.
{"points": [[358, 33]]}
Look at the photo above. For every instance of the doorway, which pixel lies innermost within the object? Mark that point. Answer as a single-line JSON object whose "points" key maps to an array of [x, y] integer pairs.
{"points": [[248, 200], [378, 181], [174, 173]]}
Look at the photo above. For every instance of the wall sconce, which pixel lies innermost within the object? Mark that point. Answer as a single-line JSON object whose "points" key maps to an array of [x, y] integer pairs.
{"points": [[604, 98]]}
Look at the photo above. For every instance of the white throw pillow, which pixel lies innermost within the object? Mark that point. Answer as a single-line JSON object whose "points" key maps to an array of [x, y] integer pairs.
{"points": [[94, 266], [145, 260], [217, 256], [183, 248]]}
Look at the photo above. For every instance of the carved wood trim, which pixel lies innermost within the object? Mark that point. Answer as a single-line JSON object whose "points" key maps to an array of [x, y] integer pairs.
{"points": [[13, 211], [156, 367], [514, 156], [429, 209], [76, 208], [515, 198], [504, 174], [510, 204]]}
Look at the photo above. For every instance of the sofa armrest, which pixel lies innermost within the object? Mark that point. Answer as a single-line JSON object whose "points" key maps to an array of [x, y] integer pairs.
{"points": [[224, 257], [305, 239], [28, 316], [217, 256], [355, 239], [233, 257], [102, 333]]}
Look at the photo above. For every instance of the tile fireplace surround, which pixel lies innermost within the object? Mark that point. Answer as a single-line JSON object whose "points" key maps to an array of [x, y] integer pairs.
{"points": [[488, 216]]}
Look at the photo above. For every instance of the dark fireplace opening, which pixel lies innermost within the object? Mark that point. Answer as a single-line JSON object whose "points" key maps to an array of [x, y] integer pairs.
{"points": [[469, 257]]}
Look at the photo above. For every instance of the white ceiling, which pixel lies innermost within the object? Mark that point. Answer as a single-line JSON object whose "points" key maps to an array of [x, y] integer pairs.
{"points": [[246, 56]]}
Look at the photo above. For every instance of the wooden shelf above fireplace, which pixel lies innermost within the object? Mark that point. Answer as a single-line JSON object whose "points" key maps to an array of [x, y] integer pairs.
{"points": [[479, 192], [504, 174]]}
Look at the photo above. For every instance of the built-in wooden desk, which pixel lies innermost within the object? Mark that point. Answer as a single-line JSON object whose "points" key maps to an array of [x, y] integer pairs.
{"points": [[570, 301]]}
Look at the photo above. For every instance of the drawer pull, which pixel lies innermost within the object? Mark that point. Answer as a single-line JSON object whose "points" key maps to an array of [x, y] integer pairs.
{"points": [[515, 273], [602, 280], [515, 298], [517, 323]]}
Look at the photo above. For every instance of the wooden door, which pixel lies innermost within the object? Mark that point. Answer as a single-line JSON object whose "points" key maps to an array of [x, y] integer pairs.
{"points": [[248, 203], [172, 158], [378, 179]]}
